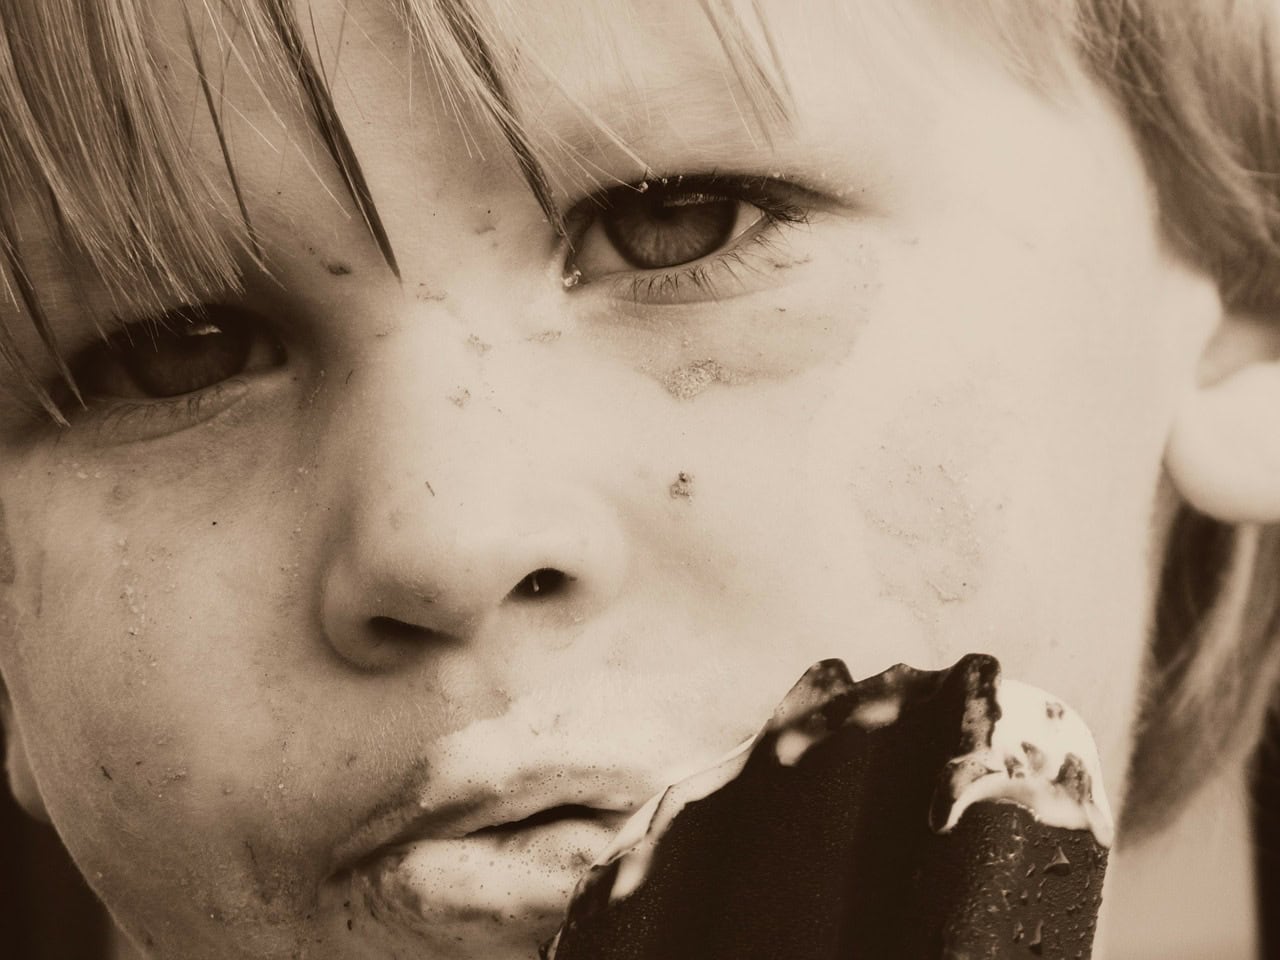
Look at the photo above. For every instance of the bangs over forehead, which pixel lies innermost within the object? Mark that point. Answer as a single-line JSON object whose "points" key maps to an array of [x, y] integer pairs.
{"points": [[93, 156]]}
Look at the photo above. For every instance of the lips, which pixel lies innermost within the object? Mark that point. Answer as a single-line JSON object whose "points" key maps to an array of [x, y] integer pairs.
{"points": [[452, 858], [548, 816], [475, 848], [521, 800]]}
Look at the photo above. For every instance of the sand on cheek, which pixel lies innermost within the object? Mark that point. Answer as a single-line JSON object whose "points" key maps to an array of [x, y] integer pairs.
{"points": [[102, 698], [54, 705], [179, 852], [923, 502]]}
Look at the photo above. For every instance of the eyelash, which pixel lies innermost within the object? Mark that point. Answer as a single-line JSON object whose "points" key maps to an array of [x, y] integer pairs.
{"points": [[128, 419], [667, 285], [146, 419]]}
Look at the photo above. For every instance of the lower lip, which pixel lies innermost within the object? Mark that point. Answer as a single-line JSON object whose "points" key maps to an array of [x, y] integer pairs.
{"points": [[522, 878]]}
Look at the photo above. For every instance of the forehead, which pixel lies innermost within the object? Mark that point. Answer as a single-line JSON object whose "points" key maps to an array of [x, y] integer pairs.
{"points": [[604, 85], [834, 92]]}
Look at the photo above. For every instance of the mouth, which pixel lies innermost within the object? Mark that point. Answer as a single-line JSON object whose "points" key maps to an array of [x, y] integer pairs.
{"points": [[556, 814], [500, 861]]}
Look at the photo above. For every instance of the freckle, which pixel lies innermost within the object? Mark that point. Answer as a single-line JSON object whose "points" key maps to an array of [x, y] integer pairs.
{"points": [[425, 293], [546, 336], [337, 268], [460, 397], [395, 520], [478, 345]]}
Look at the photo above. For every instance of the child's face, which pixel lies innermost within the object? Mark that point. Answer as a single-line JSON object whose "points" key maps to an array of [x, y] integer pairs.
{"points": [[246, 639]]}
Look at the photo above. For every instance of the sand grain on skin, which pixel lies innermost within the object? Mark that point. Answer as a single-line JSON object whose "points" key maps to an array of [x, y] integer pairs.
{"points": [[685, 383]]}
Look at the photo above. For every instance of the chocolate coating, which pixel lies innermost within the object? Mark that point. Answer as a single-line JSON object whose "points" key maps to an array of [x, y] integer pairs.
{"points": [[831, 852]]}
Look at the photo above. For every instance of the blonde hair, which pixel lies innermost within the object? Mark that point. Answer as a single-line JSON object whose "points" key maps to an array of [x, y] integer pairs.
{"points": [[88, 142]]}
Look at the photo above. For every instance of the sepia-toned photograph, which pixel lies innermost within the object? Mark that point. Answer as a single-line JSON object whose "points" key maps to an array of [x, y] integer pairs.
{"points": [[640, 479]]}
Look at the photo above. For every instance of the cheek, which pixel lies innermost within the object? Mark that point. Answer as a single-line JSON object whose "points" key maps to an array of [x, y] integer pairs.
{"points": [[154, 737], [998, 435], [930, 507], [977, 475]]}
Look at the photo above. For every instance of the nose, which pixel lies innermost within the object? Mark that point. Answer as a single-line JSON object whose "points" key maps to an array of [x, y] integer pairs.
{"points": [[462, 528], [440, 574]]}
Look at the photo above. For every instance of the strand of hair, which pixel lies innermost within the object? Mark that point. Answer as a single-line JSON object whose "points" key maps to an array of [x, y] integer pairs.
{"points": [[479, 58], [9, 351], [330, 128], [216, 119]]}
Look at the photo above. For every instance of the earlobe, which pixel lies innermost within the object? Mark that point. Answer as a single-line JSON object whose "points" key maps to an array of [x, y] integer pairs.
{"points": [[22, 783], [1223, 453]]}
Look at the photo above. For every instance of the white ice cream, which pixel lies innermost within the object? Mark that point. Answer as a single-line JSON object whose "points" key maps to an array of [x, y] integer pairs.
{"points": [[1043, 757]]}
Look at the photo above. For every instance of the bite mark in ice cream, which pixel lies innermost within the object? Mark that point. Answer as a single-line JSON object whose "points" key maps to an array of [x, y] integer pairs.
{"points": [[910, 813], [1042, 756]]}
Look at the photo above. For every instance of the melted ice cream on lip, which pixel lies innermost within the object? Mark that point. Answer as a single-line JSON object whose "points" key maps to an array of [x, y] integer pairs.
{"points": [[636, 842]]}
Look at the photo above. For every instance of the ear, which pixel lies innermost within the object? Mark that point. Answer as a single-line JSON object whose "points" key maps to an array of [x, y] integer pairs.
{"points": [[1223, 453], [21, 782]]}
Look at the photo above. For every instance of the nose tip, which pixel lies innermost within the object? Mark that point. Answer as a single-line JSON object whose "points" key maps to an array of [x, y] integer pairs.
{"points": [[439, 582]]}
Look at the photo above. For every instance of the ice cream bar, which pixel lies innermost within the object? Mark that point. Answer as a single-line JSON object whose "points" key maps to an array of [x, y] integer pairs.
{"points": [[948, 815]]}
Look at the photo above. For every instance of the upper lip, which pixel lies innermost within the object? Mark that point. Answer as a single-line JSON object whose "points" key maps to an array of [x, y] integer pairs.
{"points": [[427, 810]]}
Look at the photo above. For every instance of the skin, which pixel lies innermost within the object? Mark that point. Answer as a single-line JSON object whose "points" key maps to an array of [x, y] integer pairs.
{"points": [[932, 423]]}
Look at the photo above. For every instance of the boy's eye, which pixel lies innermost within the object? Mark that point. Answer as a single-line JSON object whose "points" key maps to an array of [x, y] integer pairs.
{"points": [[182, 352], [658, 228], [665, 223]]}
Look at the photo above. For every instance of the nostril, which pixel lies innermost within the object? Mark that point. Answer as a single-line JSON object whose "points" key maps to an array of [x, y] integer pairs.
{"points": [[384, 643], [392, 631], [541, 584]]}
